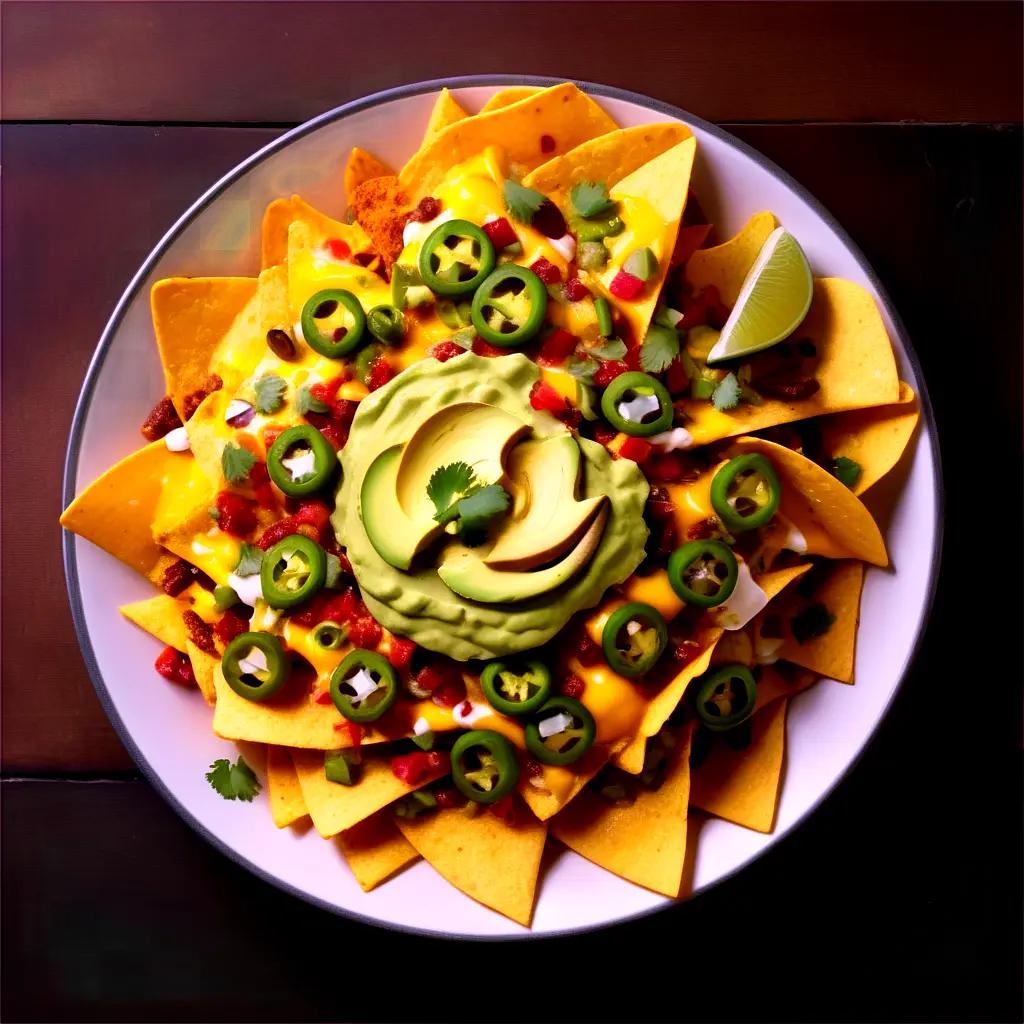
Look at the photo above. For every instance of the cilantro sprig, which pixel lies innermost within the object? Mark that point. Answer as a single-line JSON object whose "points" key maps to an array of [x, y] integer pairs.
{"points": [[250, 560], [460, 498], [522, 203], [590, 198], [233, 781], [236, 463], [660, 347], [270, 390], [727, 395]]}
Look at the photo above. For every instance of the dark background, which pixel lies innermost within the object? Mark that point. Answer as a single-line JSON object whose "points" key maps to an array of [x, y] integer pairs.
{"points": [[901, 898]]}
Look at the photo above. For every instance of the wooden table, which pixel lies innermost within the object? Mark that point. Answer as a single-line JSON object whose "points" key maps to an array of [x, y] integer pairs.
{"points": [[899, 899]]}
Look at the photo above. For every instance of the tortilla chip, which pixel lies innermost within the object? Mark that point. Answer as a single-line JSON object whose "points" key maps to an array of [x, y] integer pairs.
{"points": [[159, 616], [725, 266], [490, 861], [115, 511], [874, 438], [446, 111], [512, 94], [335, 808], [380, 206], [562, 113], [742, 786], [817, 501], [282, 213], [546, 804], [205, 667], [856, 367], [286, 802], [362, 166], [190, 317], [608, 158], [643, 842], [375, 850], [661, 184]]}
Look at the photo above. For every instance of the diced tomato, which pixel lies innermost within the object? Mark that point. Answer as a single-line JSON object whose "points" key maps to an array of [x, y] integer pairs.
{"points": [[449, 797], [334, 434], [445, 350], [381, 371], [603, 434], [353, 730], [637, 449], [667, 468], [323, 697], [500, 232], [313, 511], [625, 286], [608, 371], [230, 625], [572, 686], [633, 358], [401, 652], [556, 347], [175, 667], [428, 208], [437, 674], [413, 769], [677, 380], [547, 271], [338, 248], [688, 241], [576, 290], [587, 652], [237, 514], [544, 398], [327, 391], [270, 435], [259, 479], [365, 633], [485, 348], [449, 694], [534, 768]]}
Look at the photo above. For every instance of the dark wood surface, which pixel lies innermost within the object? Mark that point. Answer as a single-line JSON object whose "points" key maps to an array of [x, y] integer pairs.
{"points": [[900, 898]]}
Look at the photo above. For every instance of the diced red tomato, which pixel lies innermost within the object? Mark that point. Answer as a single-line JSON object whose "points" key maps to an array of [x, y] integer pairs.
{"points": [[445, 350], [485, 348], [603, 434], [323, 697], [353, 730], [533, 768], [365, 633], [449, 694], [381, 371], [608, 371], [637, 449], [413, 769], [401, 652], [237, 514], [230, 625], [500, 232], [436, 675], [587, 652], [338, 248], [175, 667], [259, 479], [667, 468], [544, 398], [547, 271], [576, 290], [449, 797], [633, 358], [625, 286], [572, 686], [270, 435], [556, 347]]}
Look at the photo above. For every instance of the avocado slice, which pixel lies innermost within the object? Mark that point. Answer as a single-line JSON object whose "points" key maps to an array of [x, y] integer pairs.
{"points": [[547, 519], [464, 572]]}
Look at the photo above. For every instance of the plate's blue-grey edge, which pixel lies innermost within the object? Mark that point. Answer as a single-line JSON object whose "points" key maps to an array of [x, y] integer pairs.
{"points": [[85, 398]]}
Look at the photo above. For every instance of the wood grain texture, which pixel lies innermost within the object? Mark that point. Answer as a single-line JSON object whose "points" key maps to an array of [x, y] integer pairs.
{"points": [[278, 62]]}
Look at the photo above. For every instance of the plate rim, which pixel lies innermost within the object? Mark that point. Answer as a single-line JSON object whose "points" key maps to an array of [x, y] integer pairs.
{"points": [[96, 363]]}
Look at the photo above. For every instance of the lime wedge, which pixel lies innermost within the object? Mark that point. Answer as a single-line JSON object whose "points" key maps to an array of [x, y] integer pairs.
{"points": [[775, 297]]}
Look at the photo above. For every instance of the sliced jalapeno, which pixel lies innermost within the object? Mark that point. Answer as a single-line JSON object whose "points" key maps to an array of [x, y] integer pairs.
{"points": [[364, 686], [386, 324], [293, 570], [703, 572], [329, 636], [343, 337], [637, 404], [725, 697], [509, 307], [301, 461], [455, 258], [255, 666], [561, 732], [484, 766], [634, 638], [516, 689], [745, 492]]}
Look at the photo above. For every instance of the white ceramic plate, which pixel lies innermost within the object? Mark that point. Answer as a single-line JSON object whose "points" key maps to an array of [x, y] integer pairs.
{"points": [[168, 730]]}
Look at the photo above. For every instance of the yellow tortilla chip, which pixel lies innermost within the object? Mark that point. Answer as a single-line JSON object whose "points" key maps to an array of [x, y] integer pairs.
{"points": [[512, 94], [874, 438], [781, 680], [446, 111], [494, 863], [562, 113], [608, 158], [287, 805], [375, 850], [817, 501], [743, 785], [651, 201], [159, 616], [190, 317], [115, 511], [856, 367], [725, 266], [205, 667], [545, 804], [282, 213], [335, 808], [643, 842], [361, 166]]}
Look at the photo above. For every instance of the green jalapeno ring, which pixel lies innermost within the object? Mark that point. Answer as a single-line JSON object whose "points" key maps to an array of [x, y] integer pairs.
{"points": [[296, 559], [386, 324], [581, 734], [269, 680], [441, 280], [361, 709], [626, 662], [703, 572], [532, 291], [731, 687], [325, 344], [325, 460], [329, 636], [745, 492], [534, 681], [641, 384], [482, 756]]}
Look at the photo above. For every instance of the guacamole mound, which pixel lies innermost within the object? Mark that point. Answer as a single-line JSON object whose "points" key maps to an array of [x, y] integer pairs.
{"points": [[418, 604]]}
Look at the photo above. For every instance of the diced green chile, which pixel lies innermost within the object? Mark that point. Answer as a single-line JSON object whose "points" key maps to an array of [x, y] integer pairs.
{"points": [[591, 256], [255, 683], [642, 264], [703, 572], [329, 636], [484, 766], [365, 360], [386, 324], [634, 652], [408, 289], [516, 688], [725, 697], [294, 439], [596, 230], [628, 387], [455, 314], [293, 570], [338, 768], [343, 339], [374, 704], [509, 307], [459, 268], [568, 745], [605, 324], [224, 597], [745, 492]]}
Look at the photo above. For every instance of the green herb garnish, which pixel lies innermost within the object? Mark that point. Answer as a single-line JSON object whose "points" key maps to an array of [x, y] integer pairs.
{"points": [[522, 203], [233, 781], [236, 463], [590, 198]]}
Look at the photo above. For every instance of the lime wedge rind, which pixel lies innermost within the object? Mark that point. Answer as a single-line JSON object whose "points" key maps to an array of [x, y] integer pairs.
{"points": [[772, 302]]}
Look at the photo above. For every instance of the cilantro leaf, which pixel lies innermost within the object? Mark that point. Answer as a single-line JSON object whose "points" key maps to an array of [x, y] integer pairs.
{"points": [[590, 198], [250, 560], [582, 368], [477, 510], [270, 391], [660, 347], [447, 484], [613, 348], [726, 395], [846, 471], [233, 781], [521, 202], [236, 463], [815, 620], [305, 402]]}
